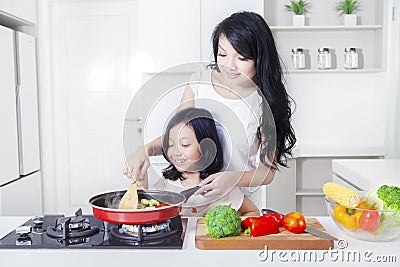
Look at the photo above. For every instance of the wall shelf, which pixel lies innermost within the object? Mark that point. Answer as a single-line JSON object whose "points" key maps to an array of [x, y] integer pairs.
{"points": [[328, 28], [373, 70], [309, 192]]}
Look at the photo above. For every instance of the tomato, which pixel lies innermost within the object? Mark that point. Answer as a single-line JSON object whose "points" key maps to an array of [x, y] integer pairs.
{"points": [[370, 220], [294, 222]]}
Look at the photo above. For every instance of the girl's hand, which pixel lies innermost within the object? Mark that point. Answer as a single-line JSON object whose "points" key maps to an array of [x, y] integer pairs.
{"points": [[139, 163], [218, 184]]}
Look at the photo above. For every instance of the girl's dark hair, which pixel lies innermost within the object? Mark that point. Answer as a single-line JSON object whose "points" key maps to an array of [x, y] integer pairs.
{"points": [[251, 37], [203, 125]]}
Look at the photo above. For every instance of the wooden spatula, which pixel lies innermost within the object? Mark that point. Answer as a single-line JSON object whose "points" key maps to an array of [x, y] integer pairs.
{"points": [[129, 201]]}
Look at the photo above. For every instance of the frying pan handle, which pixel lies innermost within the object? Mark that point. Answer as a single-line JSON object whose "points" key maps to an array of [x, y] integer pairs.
{"points": [[189, 192]]}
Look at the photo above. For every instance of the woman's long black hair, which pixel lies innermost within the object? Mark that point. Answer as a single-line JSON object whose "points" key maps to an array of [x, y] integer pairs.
{"points": [[203, 125], [251, 37]]}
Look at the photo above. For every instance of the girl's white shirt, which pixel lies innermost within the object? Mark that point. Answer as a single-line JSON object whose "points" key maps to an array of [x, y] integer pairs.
{"points": [[237, 121], [199, 205]]}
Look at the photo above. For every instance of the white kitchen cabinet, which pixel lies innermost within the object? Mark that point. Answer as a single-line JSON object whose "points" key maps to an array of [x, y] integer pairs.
{"points": [[9, 167], [311, 174], [21, 9], [281, 193], [23, 197], [365, 174]]}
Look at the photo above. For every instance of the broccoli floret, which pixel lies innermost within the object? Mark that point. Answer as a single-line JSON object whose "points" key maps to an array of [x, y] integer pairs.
{"points": [[223, 221], [144, 201], [390, 195], [153, 202]]}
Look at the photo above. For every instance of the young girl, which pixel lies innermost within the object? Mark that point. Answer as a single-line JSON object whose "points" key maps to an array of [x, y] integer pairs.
{"points": [[192, 148], [247, 81]]}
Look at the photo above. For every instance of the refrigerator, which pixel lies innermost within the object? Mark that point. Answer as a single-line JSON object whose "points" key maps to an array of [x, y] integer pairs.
{"points": [[20, 175]]}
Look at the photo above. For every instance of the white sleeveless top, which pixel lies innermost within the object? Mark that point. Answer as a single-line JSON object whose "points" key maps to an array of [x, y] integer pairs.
{"points": [[237, 121]]}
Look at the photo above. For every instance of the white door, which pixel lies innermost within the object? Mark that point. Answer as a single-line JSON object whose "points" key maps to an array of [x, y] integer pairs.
{"points": [[99, 52], [9, 166]]}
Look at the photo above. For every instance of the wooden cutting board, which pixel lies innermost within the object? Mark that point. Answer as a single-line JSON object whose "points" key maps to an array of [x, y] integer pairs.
{"points": [[283, 240]]}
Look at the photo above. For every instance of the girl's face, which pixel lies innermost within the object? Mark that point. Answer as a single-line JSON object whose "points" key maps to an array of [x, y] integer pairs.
{"points": [[233, 65], [183, 147]]}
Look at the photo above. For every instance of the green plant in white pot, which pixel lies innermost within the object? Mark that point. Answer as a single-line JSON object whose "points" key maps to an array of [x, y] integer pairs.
{"points": [[348, 8], [299, 8]]}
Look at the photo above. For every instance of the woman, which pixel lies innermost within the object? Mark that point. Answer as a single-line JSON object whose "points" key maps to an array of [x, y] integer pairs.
{"points": [[247, 66]]}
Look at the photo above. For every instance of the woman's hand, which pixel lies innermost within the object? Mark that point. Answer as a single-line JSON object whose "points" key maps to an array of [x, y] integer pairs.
{"points": [[222, 182], [138, 163], [219, 183]]}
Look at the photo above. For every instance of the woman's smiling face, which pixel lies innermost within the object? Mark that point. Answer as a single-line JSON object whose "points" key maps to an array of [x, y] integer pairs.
{"points": [[183, 147], [233, 65]]}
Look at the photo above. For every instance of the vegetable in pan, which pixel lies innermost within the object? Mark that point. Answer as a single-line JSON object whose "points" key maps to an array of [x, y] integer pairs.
{"points": [[149, 202], [152, 203]]}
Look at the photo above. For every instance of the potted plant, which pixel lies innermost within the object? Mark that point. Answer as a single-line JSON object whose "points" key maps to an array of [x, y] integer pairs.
{"points": [[299, 8], [348, 8]]}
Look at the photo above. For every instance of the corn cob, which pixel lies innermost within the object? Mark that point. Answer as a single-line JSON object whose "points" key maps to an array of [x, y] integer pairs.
{"points": [[342, 194]]}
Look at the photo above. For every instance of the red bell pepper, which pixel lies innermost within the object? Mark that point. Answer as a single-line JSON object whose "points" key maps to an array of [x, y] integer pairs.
{"points": [[277, 216], [261, 225]]}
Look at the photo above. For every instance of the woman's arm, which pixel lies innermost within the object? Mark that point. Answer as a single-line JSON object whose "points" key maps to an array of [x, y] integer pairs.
{"points": [[248, 208], [219, 183], [262, 175]]}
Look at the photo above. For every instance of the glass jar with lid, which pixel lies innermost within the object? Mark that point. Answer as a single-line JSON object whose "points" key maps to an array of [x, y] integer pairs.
{"points": [[324, 58], [350, 58], [298, 58]]}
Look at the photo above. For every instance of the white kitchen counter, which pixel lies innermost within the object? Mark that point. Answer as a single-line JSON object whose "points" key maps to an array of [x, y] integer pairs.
{"points": [[368, 173], [191, 256]]}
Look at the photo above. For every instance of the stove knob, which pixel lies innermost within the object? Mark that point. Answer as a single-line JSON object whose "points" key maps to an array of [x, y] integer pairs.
{"points": [[24, 230], [37, 221]]}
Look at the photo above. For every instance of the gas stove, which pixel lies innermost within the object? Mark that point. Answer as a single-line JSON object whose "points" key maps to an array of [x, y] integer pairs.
{"points": [[86, 231]]}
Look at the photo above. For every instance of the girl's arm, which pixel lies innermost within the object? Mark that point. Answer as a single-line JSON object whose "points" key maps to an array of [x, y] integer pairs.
{"points": [[139, 160]]}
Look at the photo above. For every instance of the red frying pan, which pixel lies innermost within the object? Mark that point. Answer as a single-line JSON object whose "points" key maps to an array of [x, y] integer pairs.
{"points": [[105, 206]]}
